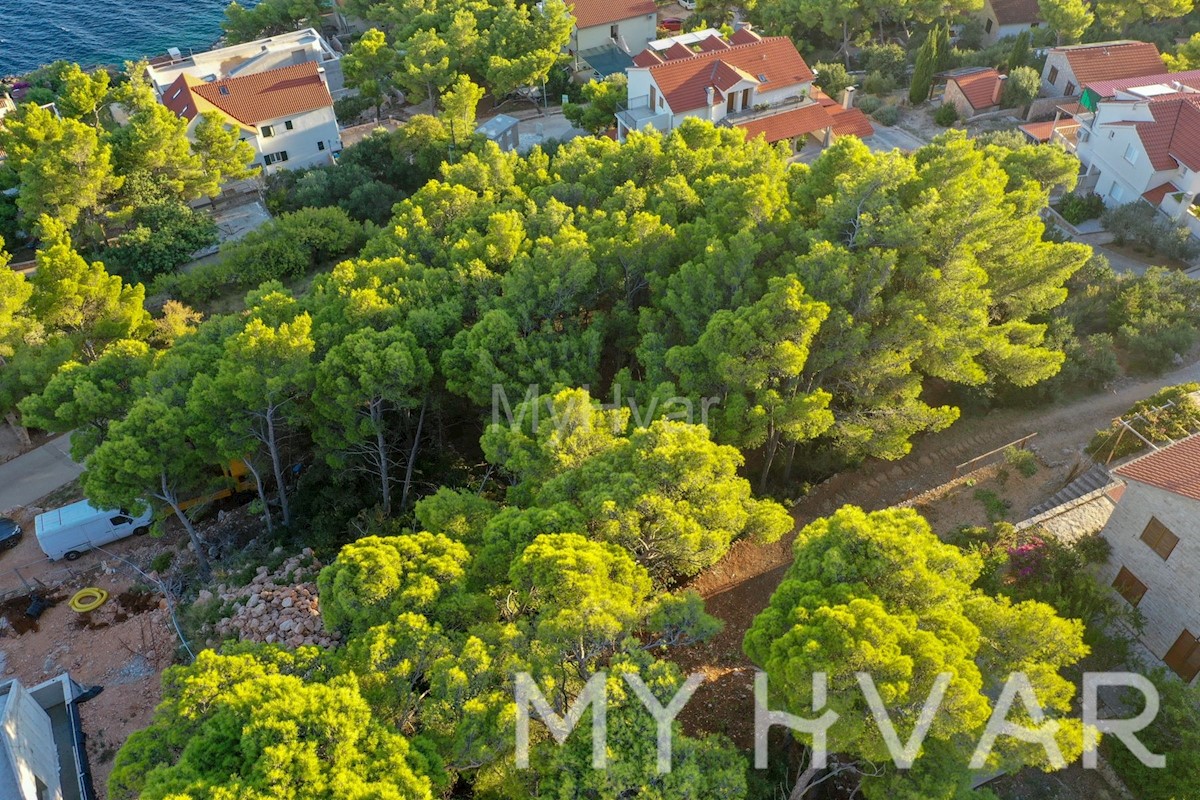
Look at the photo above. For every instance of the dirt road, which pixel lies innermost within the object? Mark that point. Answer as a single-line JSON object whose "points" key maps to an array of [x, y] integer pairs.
{"points": [[28, 477]]}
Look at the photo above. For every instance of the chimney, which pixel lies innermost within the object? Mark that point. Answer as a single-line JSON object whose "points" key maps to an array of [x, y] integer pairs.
{"points": [[848, 97]]}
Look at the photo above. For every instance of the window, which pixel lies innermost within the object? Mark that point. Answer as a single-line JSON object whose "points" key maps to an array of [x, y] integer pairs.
{"points": [[267, 131], [1129, 587], [1053, 76], [1184, 657], [41, 791], [288, 124], [1116, 192], [1070, 88], [730, 103], [745, 98], [987, 26], [653, 97], [614, 32], [1131, 154], [119, 520], [224, 90], [320, 145], [1159, 538], [273, 158]]}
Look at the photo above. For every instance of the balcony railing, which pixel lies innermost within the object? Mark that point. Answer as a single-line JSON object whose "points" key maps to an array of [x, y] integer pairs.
{"points": [[636, 114]]}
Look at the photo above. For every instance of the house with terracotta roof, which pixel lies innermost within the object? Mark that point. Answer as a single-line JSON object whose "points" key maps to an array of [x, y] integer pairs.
{"points": [[1154, 532], [1069, 69], [760, 84], [608, 33], [973, 90], [285, 113], [1143, 143], [1007, 18]]}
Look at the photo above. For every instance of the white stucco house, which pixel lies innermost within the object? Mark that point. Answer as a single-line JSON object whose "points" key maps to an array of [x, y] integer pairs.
{"points": [[760, 84], [1006, 18], [1139, 140], [608, 33], [1155, 536], [286, 114], [42, 754], [1069, 69]]}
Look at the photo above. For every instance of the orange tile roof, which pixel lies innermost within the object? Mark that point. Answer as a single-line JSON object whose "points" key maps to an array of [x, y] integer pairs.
{"points": [[1107, 61], [684, 81], [251, 99], [981, 87], [790, 124], [1155, 196], [851, 122], [1016, 12], [744, 35], [1109, 88], [589, 13], [1043, 131], [647, 58], [1174, 136], [1175, 468]]}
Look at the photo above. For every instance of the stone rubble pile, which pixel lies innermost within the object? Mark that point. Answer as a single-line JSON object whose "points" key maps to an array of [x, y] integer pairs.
{"points": [[271, 610]]}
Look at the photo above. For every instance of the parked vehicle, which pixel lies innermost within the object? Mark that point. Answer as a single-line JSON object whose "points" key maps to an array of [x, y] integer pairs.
{"points": [[230, 479], [71, 531], [10, 533], [672, 24]]}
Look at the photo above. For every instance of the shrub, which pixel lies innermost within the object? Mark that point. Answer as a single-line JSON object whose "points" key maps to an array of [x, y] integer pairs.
{"points": [[351, 108], [878, 84], [888, 60], [1076, 208], [1023, 461], [887, 115], [868, 104], [162, 562], [1021, 87], [946, 115], [994, 505], [1143, 227], [832, 78]]}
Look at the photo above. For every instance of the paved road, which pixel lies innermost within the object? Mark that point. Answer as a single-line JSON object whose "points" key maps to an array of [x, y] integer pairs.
{"points": [[37, 473]]}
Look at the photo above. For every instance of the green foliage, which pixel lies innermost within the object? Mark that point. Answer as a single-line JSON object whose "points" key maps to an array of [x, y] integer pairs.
{"points": [[1021, 88], [1020, 53], [832, 77], [879, 593], [1186, 56], [923, 72], [946, 115], [1069, 19], [371, 66], [164, 236], [887, 115], [1077, 208], [868, 104], [1022, 460], [889, 60], [270, 17], [879, 84], [1173, 732], [1140, 225], [602, 99], [995, 506], [1168, 414]]}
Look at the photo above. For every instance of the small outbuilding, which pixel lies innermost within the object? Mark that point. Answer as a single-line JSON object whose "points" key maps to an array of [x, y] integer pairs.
{"points": [[502, 129], [973, 90]]}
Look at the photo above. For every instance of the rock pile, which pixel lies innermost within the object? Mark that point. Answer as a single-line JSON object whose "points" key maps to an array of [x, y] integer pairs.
{"points": [[280, 607]]}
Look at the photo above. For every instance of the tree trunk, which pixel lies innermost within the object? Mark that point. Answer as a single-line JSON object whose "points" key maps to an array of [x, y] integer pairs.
{"points": [[381, 452], [262, 494], [201, 559], [277, 467], [14, 422], [803, 781], [412, 456], [845, 44], [769, 458]]}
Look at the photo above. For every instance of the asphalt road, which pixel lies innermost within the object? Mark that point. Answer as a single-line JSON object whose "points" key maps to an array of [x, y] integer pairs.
{"points": [[37, 473]]}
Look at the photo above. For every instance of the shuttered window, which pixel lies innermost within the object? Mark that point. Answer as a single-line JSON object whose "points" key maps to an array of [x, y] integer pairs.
{"points": [[1159, 538], [1184, 657], [1129, 587]]}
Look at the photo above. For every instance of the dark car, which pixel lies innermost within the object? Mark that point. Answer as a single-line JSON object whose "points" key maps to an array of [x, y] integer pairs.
{"points": [[10, 533]]}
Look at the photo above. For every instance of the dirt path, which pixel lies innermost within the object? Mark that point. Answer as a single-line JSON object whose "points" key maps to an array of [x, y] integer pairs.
{"points": [[741, 585]]}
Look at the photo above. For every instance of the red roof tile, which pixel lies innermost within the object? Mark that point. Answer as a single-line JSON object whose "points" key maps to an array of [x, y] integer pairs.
{"points": [[1174, 136], [603, 12], [1175, 468], [647, 58], [1107, 61], [850, 122], [981, 87], [1016, 12], [790, 124], [251, 99], [684, 81], [1043, 131], [1155, 196], [744, 35]]}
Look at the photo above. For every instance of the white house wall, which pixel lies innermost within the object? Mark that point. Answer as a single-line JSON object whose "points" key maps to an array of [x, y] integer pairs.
{"points": [[635, 32], [300, 143], [28, 746]]}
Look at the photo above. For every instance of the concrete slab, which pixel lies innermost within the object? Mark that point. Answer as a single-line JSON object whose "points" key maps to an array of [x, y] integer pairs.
{"points": [[537, 130], [37, 473], [888, 139]]}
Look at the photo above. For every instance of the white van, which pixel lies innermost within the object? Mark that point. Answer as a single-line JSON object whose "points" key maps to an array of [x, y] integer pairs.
{"points": [[72, 530]]}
